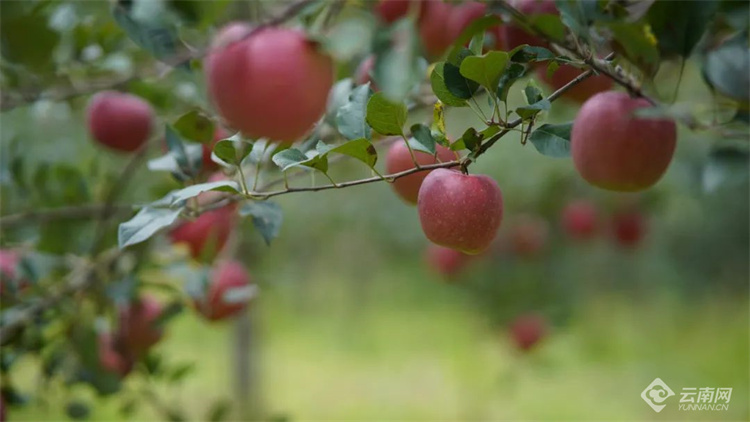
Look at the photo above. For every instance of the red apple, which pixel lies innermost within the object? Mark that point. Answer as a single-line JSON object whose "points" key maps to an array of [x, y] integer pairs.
{"points": [[399, 159], [513, 35], [528, 236], [219, 134], [9, 277], [273, 84], [226, 277], [207, 234], [616, 150], [526, 330], [445, 261], [390, 11], [580, 220], [580, 92], [118, 120], [111, 359], [433, 22], [628, 228], [460, 211], [137, 330], [363, 74], [462, 16]]}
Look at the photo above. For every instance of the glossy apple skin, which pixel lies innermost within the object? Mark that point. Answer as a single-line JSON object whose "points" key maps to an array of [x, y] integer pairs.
{"points": [[399, 159], [433, 27], [227, 276], [581, 91], [527, 330], [390, 11], [110, 358], [119, 121], [219, 134], [580, 220], [272, 84], [628, 228], [207, 234], [445, 261], [513, 35], [615, 150], [529, 236], [460, 211], [137, 331]]}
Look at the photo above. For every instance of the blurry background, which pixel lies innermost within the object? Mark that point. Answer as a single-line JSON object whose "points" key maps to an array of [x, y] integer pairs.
{"points": [[353, 323]]}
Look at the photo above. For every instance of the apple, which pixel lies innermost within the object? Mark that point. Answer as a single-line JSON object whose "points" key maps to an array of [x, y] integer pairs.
{"points": [[445, 261], [580, 92], [628, 228], [137, 330], [528, 236], [118, 120], [464, 15], [228, 276], [363, 74], [9, 277], [526, 330], [616, 150], [219, 134], [513, 35], [460, 211], [272, 84], [399, 159], [390, 11], [580, 220], [433, 23], [207, 234], [110, 358]]}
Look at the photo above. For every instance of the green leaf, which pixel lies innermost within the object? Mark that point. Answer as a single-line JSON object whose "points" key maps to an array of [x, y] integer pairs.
{"points": [[422, 139], [385, 117], [145, 224], [350, 36], [267, 218], [552, 140], [530, 54], [28, 40], [195, 126], [168, 162], [158, 39], [679, 25], [457, 84], [486, 69], [338, 96], [513, 73], [532, 93], [437, 81], [637, 44], [293, 157], [179, 372], [726, 167], [232, 151], [471, 140], [192, 191], [726, 68], [219, 410], [398, 65], [351, 119], [361, 149], [549, 25], [531, 110]]}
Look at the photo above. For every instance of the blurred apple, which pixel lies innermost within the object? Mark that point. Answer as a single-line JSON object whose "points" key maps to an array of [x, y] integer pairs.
{"points": [[580, 219], [527, 330]]}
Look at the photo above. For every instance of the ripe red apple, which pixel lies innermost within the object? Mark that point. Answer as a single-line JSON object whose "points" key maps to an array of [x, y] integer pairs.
{"points": [[118, 120], [616, 150], [363, 74], [273, 84], [9, 277], [526, 330], [207, 234], [137, 330], [226, 277], [219, 134], [399, 159], [433, 23], [628, 228], [445, 261], [529, 236], [392, 10], [580, 219], [110, 358], [514, 35], [580, 92], [460, 211]]}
